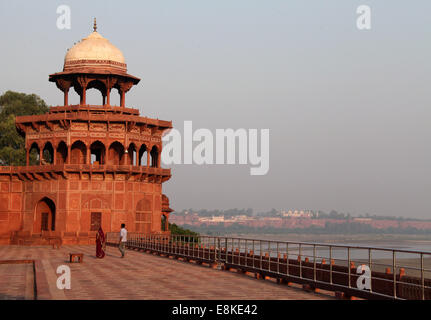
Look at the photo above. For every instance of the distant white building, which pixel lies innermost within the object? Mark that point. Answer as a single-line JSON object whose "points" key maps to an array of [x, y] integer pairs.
{"points": [[297, 214], [214, 219]]}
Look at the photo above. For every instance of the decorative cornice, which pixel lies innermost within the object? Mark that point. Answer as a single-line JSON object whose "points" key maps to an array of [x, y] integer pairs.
{"points": [[86, 62]]}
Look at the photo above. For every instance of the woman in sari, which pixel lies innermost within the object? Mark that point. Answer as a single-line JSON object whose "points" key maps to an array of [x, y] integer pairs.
{"points": [[100, 244]]}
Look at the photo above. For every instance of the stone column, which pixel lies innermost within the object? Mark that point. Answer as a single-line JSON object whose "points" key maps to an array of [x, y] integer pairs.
{"points": [[109, 83], [69, 153], [64, 85], [108, 96], [88, 155], [123, 88], [54, 161], [66, 97], [126, 157], [27, 156], [83, 82], [84, 96], [122, 98]]}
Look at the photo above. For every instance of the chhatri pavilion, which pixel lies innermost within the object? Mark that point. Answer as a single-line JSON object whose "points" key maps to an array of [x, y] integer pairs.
{"points": [[87, 165]]}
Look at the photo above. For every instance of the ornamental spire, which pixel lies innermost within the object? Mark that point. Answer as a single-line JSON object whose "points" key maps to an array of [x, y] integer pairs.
{"points": [[95, 25]]}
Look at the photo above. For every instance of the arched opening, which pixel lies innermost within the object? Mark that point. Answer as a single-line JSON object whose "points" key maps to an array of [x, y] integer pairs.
{"points": [[97, 96], [164, 223], [34, 155], [44, 218], [74, 99], [142, 155], [154, 157], [48, 154], [116, 153], [61, 153], [133, 156], [115, 97], [78, 153], [98, 151]]}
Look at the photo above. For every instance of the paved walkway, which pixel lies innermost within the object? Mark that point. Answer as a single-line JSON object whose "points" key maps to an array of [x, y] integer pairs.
{"points": [[16, 281], [137, 276]]}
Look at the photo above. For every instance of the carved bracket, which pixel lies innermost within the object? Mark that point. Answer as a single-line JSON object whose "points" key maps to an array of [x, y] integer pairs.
{"points": [[65, 124], [125, 86], [82, 81], [63, 84], [131, 125]]}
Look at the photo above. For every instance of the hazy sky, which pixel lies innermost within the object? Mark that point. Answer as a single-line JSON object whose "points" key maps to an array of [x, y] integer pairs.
{"points": [[349, 111]]}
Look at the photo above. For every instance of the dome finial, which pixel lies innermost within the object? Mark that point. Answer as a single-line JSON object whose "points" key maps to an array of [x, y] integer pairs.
{"points": [[95, 25]]}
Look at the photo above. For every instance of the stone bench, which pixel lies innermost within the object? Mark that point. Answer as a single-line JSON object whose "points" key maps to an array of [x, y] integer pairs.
{"points": [[80, 257]]}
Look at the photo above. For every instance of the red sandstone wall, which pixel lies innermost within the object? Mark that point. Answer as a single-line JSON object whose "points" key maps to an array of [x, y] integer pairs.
{"points": [[75, 198], [11, 199]]}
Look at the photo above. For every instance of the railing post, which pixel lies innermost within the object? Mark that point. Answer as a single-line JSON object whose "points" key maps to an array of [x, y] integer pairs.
{"points": [[287, 258], [269, 255], [371, 272], [314, 260], [239, 252], [188, 246], [300, 261], [422, 276], [260, 252], [253, 257], [199, 247], [330, 264], [348, 263], [394, 268], [219, 249], [278, 259], [246, 252], [226, 250], [216, 258]]}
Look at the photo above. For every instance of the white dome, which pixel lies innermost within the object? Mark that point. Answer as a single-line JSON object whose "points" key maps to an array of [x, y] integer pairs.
{"points": [[94, 51]]}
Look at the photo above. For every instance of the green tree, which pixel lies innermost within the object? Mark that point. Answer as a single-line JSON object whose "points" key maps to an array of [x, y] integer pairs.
{"points": [[12, 144], [189, 236], [177, 230]]}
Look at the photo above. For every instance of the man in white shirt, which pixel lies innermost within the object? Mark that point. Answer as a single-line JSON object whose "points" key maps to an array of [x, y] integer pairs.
{"points": [[123, 240]]}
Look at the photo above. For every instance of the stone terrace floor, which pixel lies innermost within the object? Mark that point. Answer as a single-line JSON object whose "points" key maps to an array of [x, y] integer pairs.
{"points": [[16, 282], [138, 276]]}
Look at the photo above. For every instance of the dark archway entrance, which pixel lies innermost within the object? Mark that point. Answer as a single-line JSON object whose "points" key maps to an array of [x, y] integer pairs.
{"points": [[44, 216]]}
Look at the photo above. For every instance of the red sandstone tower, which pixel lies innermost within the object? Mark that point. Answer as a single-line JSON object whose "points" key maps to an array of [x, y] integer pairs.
{"points": [[87, 165]]}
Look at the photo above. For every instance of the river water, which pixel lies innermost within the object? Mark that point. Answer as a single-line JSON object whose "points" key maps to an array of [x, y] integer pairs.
{"points": [[276, 245]]}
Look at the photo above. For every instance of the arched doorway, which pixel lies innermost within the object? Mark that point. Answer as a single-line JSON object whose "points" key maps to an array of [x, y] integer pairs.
{"points": [[48, 154], [164, 226], [142, 156], [97, 149], [154, 157], [115, 153], [44, 218], [34, 155], [61, 153], [133, 159], [78, 153]]}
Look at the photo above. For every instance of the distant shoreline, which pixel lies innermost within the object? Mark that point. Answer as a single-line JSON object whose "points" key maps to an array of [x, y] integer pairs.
{"points": [[333, 238]]}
